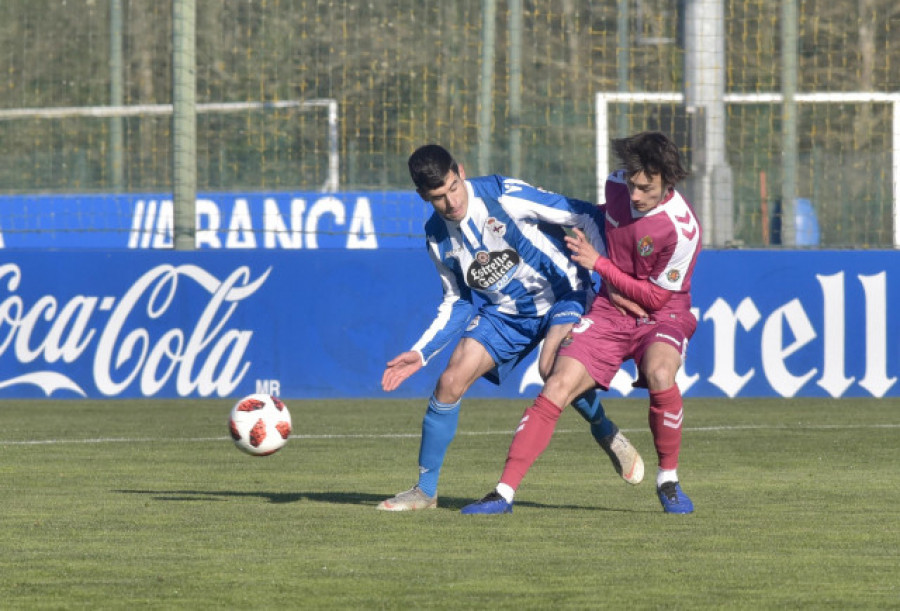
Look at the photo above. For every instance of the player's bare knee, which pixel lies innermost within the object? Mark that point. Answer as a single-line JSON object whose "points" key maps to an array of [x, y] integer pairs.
{"points": [[450, 387], [558, 390], [659, 377]]}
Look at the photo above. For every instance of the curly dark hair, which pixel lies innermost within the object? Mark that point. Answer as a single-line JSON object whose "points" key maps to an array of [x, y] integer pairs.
{"points": [[651, 153]]}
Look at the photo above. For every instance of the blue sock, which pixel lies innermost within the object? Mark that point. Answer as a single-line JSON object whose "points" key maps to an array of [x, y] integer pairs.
{"points": [[438, 430], [591, 409]]}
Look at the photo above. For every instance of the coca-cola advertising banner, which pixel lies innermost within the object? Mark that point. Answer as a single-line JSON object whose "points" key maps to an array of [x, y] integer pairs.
{"points": [[317, 323]]}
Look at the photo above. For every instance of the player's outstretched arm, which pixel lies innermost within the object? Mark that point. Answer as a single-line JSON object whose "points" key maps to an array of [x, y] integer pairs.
{"points": [[399, 369]]}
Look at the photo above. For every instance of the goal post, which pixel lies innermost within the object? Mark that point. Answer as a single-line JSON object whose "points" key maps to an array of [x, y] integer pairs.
{"points": [[604, 99], [331, 184]]}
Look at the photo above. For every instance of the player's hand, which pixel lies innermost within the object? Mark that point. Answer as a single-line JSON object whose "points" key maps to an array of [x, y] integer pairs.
{"points": [[583, 252], [624, 304], [399, 368]]}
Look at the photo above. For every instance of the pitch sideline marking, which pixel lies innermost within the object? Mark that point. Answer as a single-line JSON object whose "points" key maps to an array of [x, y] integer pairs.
{"points": [[699, 429]]}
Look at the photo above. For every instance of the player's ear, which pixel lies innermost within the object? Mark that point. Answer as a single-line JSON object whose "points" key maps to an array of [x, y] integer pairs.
{"points": [[462, 171]]}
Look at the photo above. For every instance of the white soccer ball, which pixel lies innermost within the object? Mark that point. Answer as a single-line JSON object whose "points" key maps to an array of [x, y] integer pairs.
{"points": [[260, 424]]}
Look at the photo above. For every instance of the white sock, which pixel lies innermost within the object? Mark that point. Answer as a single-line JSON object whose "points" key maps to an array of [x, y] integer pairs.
{"points": [[506, 491], [666, 475]]}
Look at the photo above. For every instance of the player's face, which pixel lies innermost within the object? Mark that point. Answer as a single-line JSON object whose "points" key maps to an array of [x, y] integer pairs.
{"points": [[646, 191], [450, 200]]}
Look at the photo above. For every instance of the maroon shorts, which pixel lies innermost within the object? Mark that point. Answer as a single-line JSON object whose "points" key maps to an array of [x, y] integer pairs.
{"points": [[605, 338]]}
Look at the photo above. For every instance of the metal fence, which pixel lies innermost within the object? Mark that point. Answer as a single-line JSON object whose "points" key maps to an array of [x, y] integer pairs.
{"points": [[509, 86]]}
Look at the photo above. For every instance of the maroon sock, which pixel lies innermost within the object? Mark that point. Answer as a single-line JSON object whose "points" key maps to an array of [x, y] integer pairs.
{"points": [[666, 414], [531, 438]]}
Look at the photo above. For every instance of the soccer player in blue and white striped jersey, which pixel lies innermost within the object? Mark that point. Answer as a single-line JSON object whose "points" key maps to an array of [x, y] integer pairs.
{"points": [[503, 240]]}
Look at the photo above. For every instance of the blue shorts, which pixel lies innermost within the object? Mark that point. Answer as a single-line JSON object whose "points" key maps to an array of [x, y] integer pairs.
{"points": [[509, 338]]}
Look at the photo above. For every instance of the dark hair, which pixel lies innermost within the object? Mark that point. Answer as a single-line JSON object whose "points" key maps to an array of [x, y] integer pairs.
{"points": [[651, 153], [429, 165]]}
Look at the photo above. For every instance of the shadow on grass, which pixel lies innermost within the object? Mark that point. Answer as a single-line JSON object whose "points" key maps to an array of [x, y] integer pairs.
{"points": [[337, 498], [341, 498]]}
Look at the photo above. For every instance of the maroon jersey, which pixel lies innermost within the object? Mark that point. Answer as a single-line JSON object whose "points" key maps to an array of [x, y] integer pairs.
{"points": [[660, 246]]}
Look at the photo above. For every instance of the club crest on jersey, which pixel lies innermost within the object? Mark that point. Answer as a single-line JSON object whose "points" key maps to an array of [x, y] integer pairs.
{"points": [[491, 271], [673, 275], [495, 227], [645, 246], [473, 323]]}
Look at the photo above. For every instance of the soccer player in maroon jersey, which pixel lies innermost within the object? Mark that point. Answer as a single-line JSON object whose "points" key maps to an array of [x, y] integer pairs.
{"points": [[653, 240]]}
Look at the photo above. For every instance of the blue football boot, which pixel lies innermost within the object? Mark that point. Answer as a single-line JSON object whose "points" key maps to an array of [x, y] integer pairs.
{"points": [[673, 499], [491, 504]]}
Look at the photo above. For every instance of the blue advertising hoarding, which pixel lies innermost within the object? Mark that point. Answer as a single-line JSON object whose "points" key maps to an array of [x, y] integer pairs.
{"points": [[317, 323], [270, 220]]}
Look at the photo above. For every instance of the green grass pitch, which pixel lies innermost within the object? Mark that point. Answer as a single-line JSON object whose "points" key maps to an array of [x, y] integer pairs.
{"points": [[148, 504]]}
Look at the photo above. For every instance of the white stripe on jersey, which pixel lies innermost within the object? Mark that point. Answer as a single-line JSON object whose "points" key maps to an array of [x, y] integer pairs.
{"points": [[688, 233], [523, 209], [446, 310]]}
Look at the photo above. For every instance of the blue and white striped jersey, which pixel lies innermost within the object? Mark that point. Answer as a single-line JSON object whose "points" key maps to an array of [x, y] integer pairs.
{"points": [[510, 250]]}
